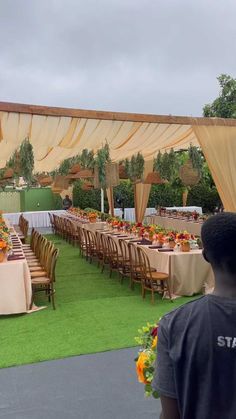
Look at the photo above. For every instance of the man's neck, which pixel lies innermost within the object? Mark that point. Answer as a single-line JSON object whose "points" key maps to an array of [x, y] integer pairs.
{"points": [[225, 285]]}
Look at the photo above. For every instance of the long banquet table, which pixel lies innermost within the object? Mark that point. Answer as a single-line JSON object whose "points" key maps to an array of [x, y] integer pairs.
{"points": [[193, 227], [15, 286], [188, 271]]}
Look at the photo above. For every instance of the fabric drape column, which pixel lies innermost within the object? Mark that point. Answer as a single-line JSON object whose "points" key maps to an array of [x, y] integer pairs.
{"points": [[141, 193], [218, 144], [110, 200]]}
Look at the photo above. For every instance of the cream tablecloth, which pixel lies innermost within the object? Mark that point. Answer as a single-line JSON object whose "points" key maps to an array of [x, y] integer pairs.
{"points": [[15, 287], [176, 224], [188, 271]]}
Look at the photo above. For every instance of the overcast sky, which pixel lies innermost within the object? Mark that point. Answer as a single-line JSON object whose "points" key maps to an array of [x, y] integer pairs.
{"points": [[148, 56]]}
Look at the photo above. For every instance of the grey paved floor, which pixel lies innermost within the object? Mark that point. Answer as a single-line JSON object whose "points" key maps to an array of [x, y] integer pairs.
{"points": [[98, 386]]}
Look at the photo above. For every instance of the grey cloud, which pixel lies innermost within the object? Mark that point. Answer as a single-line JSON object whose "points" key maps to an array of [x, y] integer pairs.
{"points": [[150, 56]]}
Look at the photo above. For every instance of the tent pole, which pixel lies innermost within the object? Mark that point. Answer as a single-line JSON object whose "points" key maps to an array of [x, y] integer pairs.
{"points": [[102, 200]]}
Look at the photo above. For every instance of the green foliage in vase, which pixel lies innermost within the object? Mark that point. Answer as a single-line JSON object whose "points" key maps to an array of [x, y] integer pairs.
{"points": [[65, 166], [196, 157], [103, 157], [86, 159], [167, 165], [26, 158], [135, 167], [224, 106]]}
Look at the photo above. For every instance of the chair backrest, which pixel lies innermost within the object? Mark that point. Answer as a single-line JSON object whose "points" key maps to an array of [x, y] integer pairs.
{"points": [[124, 250], [91, 238], [113, 251], [133, 256], [105, 245], [52, 263], [144, 263]]}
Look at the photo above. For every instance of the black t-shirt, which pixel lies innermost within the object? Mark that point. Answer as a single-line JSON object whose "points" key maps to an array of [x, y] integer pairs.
{"points": [[196, 361]]}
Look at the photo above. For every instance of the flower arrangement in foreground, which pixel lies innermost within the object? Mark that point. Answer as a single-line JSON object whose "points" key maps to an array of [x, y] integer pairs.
{"points": [[145, 361], [5, 238]]}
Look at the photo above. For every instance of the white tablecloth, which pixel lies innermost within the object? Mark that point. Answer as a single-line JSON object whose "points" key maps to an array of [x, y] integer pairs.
{"points": [[35, 218], [184, 209], [130, 213]]}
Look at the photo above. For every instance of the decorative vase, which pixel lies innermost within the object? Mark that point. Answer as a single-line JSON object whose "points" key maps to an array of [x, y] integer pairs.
{"points": [[185, 247], [171, 244], [2, 255]]}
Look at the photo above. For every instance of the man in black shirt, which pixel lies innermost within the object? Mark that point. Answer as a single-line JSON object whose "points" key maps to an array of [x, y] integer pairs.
{"points": [[66, 203], [196, 362]]}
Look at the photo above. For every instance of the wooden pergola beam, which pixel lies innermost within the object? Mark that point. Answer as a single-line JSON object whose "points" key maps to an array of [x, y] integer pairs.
{"points": [[114, 116]]}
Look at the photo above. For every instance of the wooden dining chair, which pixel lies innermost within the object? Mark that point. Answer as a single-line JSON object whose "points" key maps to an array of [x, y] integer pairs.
{"points": [[114, 255], [125, 264], [152, 281], [105, 261], [46, 283]]}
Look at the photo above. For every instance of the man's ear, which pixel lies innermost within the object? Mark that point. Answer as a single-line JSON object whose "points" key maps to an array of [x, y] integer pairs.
{"points": [[205, 256]]}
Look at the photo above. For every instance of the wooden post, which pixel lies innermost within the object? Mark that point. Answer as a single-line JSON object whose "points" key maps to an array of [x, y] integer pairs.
{"points": [[102, 200], [135, 203], [112, 202]]}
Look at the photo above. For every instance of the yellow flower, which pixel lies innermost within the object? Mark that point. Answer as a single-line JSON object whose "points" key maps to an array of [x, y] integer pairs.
{"points": [[154, 343]]}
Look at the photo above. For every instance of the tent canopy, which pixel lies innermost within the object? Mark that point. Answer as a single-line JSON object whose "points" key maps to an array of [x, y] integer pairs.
{"points": [[60, 133]]}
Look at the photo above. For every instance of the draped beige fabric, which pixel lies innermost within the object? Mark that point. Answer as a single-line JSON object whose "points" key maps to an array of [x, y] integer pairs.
{"points": [[141, 193], [57, 134], [55, 138], [219, 147]]}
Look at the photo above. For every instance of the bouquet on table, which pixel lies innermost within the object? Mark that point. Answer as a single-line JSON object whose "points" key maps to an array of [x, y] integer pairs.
{"points": [[145, 361]]}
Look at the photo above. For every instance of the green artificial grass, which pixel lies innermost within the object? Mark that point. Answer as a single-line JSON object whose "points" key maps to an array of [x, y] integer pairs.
{"points": [[93, 313]]}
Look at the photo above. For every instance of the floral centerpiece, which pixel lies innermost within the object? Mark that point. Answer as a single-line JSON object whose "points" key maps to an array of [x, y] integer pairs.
{"points": [[184, 239], [145, 361], [92, 216], [170, 239], [5, 238]]}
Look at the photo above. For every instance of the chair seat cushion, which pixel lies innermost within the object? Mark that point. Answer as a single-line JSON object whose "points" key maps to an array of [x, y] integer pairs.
{"points": [[158, 276], [38, 274], [35, 268], [40, 280]]}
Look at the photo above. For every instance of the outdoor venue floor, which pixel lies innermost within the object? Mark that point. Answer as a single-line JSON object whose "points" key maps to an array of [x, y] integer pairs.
{"points": [[94, 313], [98, 386]]}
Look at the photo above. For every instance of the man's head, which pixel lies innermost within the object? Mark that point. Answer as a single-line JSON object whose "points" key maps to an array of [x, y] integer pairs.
{"points": [[219, 241], [67, 197]]}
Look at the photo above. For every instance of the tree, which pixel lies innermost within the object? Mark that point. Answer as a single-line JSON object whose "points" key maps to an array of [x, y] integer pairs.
{"points": [[223, 106], [26, 157]]}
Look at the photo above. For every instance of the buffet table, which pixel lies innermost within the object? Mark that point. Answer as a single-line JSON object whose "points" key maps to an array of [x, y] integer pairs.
{"points": [[193, 227], [35, 218]]}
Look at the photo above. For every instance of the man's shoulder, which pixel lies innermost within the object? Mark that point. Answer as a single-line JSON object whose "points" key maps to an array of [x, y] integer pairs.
{"points": [[184, 311]]}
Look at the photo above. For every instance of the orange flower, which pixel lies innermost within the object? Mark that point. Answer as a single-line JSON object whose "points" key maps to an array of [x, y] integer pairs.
{"points": [[3, 244], [140, 365], [154, 343]]}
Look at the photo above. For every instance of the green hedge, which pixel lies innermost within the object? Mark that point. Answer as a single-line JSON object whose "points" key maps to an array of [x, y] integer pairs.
{"points": [[164, 195], [203, 196], [88, 199]]}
